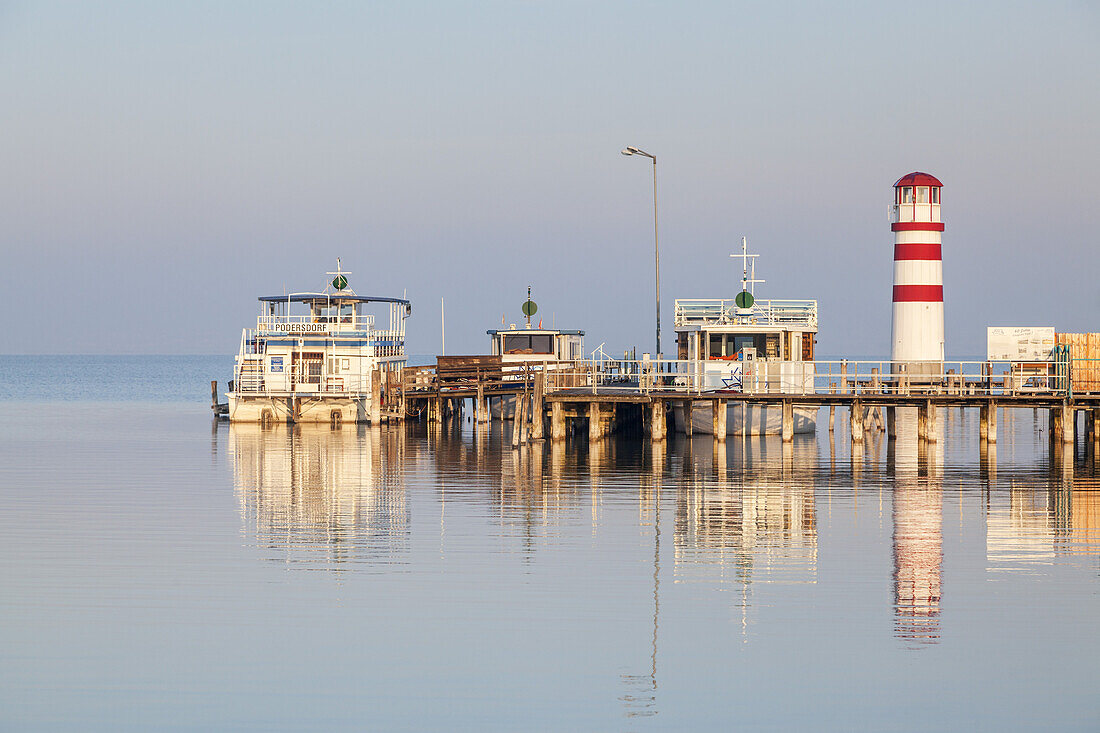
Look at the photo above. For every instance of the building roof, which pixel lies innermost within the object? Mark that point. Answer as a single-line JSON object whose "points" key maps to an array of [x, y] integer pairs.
{"points": [[916, 178], [327, 297]]}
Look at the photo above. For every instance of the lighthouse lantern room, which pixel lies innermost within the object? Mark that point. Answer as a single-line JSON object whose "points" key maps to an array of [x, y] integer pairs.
{"points": [[917, 344]]}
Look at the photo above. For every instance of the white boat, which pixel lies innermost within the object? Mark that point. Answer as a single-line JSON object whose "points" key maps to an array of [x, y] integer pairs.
{"points": [[747, 345], [320, 357]]}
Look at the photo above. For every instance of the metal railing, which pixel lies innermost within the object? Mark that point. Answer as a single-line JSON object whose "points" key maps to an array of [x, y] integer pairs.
{"points": [[711, 312], [805, 378]]}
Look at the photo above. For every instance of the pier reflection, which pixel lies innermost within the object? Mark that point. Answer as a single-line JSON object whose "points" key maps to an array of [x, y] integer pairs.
{"points": [[313, 494], [1032, 519]]}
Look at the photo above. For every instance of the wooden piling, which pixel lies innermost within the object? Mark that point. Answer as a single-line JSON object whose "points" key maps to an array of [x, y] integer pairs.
{"points": [[557, 421], [718, 420], [689, 411], [891, 422], [991, 422], [594, 431], [983, 422], [1069, 423], [214, 395], [788, 421], [657, 429], [855, 418]]}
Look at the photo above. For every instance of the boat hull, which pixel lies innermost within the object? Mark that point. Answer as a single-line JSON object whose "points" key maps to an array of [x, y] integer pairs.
{"points": [[751, 419], [298, 409]]}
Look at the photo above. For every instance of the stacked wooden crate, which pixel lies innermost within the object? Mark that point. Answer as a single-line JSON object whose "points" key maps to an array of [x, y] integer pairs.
{"points": [[1084, 351]]}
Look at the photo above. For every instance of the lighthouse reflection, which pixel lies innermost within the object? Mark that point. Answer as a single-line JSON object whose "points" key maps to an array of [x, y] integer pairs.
{"points": [[917, 533], [312, 494]]}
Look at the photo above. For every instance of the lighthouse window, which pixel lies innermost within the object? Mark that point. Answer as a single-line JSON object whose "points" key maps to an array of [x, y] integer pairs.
{"points": [[907, 195], [922, 194], [935, 195]]}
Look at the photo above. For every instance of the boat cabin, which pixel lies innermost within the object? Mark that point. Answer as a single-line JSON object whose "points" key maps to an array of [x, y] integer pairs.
{"points": [[518, 345]]}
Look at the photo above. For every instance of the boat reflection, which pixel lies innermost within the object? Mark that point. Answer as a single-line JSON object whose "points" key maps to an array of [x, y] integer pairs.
{"points": [[313, 494], [754, 521]]}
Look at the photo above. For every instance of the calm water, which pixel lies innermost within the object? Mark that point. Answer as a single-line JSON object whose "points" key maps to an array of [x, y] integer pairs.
{"points": [[161, 571]]}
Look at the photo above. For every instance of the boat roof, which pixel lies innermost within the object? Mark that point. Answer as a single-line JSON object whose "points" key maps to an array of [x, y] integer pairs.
{"points": [[335, 297], [563, 332]]}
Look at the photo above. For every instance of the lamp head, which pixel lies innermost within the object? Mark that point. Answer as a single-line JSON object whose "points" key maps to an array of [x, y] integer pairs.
{"points": [[628, 151]]}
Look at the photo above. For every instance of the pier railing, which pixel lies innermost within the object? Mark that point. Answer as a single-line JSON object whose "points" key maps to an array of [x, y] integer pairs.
{"points": [[779, 378]]}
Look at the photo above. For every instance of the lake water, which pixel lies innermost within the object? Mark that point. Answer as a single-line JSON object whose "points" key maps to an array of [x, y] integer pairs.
{"points": [[162, 571]]}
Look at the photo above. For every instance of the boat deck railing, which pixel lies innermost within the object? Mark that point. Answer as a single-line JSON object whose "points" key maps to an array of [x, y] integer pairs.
{"points": [[764, 313], [313, 324]]}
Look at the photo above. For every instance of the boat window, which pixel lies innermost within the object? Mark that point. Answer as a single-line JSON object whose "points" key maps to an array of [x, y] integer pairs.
{"points": [[523, 343], [347, 311]]}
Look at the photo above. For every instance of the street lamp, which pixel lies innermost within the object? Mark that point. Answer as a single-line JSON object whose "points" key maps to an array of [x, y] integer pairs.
{"points": [[656, 248]]}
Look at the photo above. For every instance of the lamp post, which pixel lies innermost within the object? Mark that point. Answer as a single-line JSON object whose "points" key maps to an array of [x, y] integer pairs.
{"points": [[656, 248]]}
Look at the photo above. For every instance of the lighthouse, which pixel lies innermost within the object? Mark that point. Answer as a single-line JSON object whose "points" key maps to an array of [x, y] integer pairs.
{"points": [[917, 334]]}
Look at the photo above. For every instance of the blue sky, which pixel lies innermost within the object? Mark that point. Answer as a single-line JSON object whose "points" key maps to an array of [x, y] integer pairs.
{"points": [[164, 164]]}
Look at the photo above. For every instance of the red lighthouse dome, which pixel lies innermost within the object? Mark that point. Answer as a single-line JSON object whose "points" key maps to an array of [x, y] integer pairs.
{"points": [[917, 178]]}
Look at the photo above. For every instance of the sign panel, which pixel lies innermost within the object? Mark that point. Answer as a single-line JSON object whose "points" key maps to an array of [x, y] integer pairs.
{"points": [[276, 364], [1019, 343], [300, 328]]}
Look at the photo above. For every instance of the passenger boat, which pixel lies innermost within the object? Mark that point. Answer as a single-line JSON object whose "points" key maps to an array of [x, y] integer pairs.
{"points": [[320, 357], [748, 345]]}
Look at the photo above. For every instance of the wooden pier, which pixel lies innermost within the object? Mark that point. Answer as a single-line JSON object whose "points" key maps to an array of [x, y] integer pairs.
{"points": [[553, 401]]}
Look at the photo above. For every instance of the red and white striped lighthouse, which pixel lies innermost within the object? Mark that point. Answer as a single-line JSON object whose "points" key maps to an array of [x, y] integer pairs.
{"points": [[917, 334]]}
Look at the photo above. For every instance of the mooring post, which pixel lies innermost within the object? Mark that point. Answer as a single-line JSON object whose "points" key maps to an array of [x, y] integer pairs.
{"points": [[436, 410], [593, 421], [983, 422], [991, 420], [855, 415], [832, 407], [688, 410], [891, 422], [718, 420], [524, 417], [517, 420], [788, 421], [479, 404], [376, 397], [922, 421], [537, 407]]}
